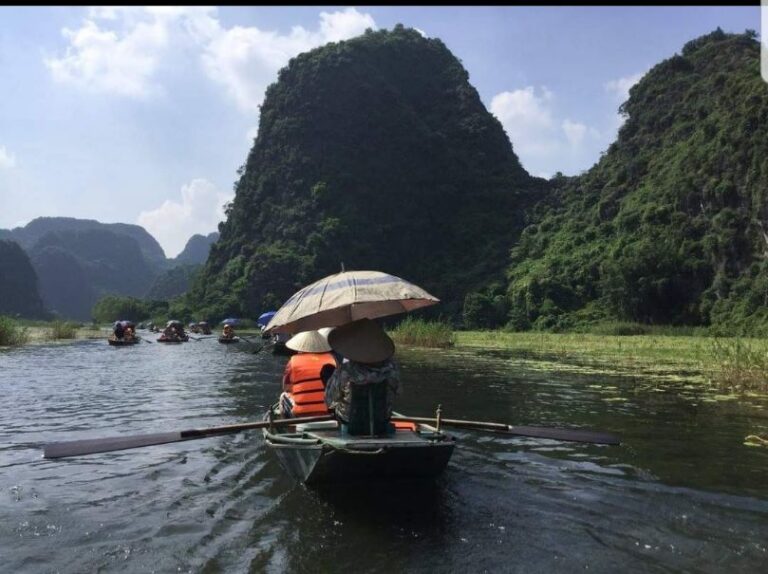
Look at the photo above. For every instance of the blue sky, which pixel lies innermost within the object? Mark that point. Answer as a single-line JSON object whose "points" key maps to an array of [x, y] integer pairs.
{"points": [[144, 115]]}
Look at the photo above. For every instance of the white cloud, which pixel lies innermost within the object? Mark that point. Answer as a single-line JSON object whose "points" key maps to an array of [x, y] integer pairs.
{"points": [[620, 87], [574, 132], [619, 90], [112, 61], [544, 143], [245, 60], [200, 210], [527, 119], [7, 159], [251, 134], [120, 50]]}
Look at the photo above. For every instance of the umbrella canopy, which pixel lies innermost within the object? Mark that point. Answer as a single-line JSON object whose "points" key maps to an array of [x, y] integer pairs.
{"points": [[230, 321], [174, 323], [264, 318], [345, 297]]}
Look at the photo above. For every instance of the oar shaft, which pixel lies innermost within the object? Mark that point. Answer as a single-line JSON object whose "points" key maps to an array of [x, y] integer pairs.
{"points": [[92, 446], [574, 435]]}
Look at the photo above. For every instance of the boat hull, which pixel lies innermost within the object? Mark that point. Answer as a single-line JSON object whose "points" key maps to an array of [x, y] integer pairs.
{"points": [[227, 341], [184, 340], [325, 456], [116, 343], [319, 465]]}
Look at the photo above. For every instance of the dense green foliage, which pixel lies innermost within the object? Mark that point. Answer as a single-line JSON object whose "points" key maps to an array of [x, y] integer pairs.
{"points": [[668, 227], [196, 250], [11, 333], [115, 308], [174, 282], [18, 283], [376, 153]]}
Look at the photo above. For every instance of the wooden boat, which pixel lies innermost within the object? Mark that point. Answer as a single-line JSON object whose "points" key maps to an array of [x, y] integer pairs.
{"points": [[164, 339], [123, 342], [228, 340], [316, 453]]}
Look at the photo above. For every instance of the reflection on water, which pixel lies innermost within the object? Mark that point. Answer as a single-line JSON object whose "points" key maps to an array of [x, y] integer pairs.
{"points": [[681, 493]]}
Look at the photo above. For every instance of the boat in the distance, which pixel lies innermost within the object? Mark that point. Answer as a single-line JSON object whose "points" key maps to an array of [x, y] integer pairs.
{"points": [[318, 452], [173, 333], [228, 340], [122, 342]]}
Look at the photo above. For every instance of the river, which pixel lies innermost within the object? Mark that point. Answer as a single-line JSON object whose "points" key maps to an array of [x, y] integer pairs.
{"points": [[682, 493]]}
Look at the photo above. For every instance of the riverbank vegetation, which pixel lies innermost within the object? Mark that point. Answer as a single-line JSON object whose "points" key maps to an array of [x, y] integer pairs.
{"points": [[420, 333], [11, 333], [733, 364], [62, 330]]}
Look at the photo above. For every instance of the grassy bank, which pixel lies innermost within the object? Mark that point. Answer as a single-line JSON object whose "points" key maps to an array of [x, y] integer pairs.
{"points": [[734, 364], [419, 333], [14, 333]]}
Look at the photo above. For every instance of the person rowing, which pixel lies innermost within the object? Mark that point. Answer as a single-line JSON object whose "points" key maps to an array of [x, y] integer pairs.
{"points": [[362, 390], [228, 332]]}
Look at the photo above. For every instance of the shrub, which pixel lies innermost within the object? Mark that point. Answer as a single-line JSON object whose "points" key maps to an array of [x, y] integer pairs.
{"points": [[11, 333]]}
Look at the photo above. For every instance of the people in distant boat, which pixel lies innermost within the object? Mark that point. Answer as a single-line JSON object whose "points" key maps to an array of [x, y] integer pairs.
{"points": [[119, 330], [303, 389], [228, 332], [204, 327], [129, 334], [362, 390]]}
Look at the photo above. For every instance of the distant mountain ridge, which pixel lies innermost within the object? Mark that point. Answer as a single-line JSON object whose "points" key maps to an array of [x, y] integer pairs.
{"points": [[196, 250], [77, 261], [18, 283]]}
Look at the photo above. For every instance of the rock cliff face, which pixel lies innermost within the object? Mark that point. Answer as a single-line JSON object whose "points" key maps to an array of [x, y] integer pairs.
{"points": [[376, 153]]}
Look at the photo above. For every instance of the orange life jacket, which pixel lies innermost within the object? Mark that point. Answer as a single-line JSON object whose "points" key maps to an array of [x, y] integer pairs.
{"points": [[306, 386]]}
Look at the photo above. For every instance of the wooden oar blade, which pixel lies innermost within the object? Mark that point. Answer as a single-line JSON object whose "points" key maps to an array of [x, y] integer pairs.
{"points": [[92, 446], [566, 434]]}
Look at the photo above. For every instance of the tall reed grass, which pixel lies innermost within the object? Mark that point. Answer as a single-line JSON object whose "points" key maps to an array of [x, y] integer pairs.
{"points": [[739, 364], [421, 333], [11, 333], [62, 330]]}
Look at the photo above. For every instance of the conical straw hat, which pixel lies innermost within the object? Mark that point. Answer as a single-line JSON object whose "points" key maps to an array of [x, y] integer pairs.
{"points": [[309, 342], [362, 341]]}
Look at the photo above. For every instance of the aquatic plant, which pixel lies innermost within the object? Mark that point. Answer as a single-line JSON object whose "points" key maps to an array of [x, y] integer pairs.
{"points": [[421, 333], [11, 333]]}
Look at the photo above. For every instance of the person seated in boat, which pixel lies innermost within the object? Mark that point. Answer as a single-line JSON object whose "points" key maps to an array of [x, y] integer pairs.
{"points": [[303, 389], [170, 332], [228, 332], [129, 334], [362, 390], [119, 330]]}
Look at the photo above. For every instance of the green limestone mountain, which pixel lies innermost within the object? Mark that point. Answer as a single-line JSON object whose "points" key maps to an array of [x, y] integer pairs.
{"points": [[671, 225], [77, 261], [375, 153], [196, 250], [32, 232], [18, 283]]}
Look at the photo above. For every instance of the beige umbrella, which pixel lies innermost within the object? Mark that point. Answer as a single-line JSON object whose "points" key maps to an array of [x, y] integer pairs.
{"points": [[345, 297]]}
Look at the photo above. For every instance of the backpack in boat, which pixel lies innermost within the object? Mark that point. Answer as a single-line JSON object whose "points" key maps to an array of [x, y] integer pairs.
{"points": [[368, 409]]}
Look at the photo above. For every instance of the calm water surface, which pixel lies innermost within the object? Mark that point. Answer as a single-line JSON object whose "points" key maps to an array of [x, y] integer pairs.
{"points": [[681, 494]]}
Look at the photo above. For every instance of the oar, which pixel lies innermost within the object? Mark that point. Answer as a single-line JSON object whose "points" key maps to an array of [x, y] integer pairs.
{"points": [[109, 444], [264, 346], [575, 435], [145, 340]]}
